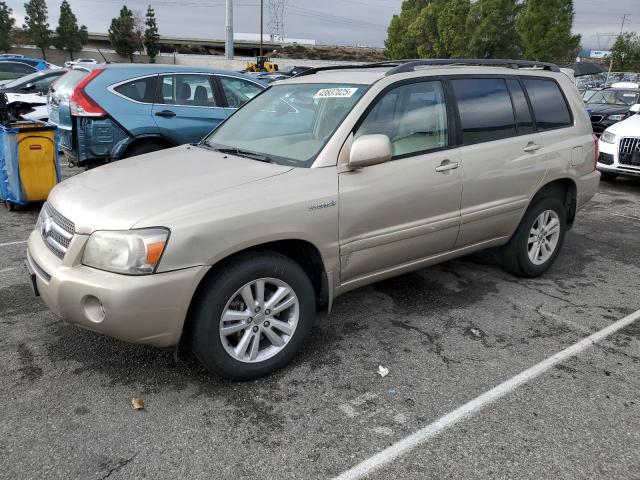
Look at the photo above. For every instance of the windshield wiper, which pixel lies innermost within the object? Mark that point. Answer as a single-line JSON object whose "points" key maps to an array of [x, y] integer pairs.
{"points": [[244, 153]]}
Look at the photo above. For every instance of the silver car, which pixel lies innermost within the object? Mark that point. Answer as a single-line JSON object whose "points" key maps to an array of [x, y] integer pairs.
{"points": [[321, 184]]}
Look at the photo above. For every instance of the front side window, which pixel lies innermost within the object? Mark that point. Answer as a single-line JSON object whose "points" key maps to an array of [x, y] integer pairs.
{"points": [[139, 90], [485, 109], [188, 90], [238, 91], [287, 124], [549, 106], [413, 116]]}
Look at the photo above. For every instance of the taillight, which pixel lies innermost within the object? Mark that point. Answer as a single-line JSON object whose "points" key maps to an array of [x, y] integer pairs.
{"points": [[81, 104], [596, 150]]}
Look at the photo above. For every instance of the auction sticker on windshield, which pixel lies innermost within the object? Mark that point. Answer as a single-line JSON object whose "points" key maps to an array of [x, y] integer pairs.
{"points": [[335, 93]]}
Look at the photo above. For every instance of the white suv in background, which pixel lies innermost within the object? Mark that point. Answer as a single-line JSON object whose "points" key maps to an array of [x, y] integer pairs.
{"points": [[619, 147]]}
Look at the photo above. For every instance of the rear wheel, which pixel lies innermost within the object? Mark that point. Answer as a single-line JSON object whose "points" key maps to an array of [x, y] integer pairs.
{"points": [[608, 176], [538, 240], [252, 316]]}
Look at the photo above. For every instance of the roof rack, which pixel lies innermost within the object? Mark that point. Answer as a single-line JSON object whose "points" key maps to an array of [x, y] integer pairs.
{"points": [[409, 65], [404, 66], [311, 71]]}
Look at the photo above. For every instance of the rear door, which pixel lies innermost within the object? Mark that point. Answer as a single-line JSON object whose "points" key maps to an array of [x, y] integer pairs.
{"points": [[59, 110], [501, 156], [188, 106]]}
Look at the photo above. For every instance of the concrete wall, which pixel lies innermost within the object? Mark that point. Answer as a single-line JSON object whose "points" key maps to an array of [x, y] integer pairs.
{"points": [[58, 57]]}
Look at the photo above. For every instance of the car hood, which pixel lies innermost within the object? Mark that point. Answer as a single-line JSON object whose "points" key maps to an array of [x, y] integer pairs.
{"points": [[629, 127], [603, 109], [120, 195], [32, 98]]}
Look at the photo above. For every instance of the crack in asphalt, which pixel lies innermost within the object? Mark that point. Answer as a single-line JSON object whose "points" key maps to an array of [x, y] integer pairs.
{"points": [[437, 348], [118, 466]]}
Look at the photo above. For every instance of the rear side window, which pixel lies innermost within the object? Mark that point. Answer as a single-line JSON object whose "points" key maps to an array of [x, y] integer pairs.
{"points": [[524, 121], [413, 116], [16, 68], [549, 106], [485, 109], [140, 90]]}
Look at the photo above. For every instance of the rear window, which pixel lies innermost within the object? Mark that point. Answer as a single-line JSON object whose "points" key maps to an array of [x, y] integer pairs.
{"points": [[485, 109], [69, 80], [549, 106]]}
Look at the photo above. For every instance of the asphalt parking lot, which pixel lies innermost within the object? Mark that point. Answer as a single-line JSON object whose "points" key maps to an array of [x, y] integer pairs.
{"points": [[447, 335]]}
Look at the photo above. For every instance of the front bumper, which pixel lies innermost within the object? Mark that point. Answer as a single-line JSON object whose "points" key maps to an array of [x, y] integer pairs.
{"points": [[610, 161], [149, 309]]}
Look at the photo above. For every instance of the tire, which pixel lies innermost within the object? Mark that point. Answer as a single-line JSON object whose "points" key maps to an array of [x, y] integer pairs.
{"points": [[221, 293], [142, 148], [515, 255], [608, 176]]}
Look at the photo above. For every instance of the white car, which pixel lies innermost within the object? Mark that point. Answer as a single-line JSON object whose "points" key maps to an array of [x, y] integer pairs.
{"points": [[71, 63], [619, 147], [34, 105]]}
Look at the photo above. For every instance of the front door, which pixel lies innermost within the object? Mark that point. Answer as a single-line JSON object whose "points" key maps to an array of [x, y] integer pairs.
{"points": [[188, 107], [400, 212]]}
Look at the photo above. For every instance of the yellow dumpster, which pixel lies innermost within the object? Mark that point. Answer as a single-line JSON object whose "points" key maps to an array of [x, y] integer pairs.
{"points": [[29, 162]]}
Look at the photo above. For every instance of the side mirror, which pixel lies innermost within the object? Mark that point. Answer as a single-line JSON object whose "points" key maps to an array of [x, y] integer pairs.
{"points": [[635, 109], [370, 150]]}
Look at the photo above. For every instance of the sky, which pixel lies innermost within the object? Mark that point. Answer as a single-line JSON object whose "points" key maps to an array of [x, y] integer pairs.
{"points": [[343, 22]]}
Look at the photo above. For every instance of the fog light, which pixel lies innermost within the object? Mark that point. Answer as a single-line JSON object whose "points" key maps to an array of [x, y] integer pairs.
{"points": [[93, 309]]}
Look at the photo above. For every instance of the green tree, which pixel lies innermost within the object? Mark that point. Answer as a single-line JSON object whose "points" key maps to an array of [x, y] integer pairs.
{"points": [[122, 34], [429, 28], [399, 43], [7, 23], [545, 29], [69, 36], [493, 34], [151, 37], [36, 26], [625, 53]]}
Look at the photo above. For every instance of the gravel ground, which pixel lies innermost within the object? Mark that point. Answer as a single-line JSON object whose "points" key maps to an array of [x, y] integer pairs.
{"points": [[447, 334]]}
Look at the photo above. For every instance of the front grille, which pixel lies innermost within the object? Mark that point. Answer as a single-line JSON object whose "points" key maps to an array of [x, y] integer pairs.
{"points": [[629, 151], [57, 231], [605, 158]]}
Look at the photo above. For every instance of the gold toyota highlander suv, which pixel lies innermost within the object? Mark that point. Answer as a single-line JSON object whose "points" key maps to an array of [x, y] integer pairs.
{"points": [[334, 179]]}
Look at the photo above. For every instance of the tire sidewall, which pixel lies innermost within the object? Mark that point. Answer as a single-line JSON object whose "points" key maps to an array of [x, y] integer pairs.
{"points": [[205, 339], [527, 267]]}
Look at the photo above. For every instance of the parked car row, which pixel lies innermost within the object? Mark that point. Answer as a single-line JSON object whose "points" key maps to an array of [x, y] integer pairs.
{"points": [[110, 112]]}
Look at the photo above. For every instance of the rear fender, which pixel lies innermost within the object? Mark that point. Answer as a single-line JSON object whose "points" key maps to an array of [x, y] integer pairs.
{"points": [[97, 138]]}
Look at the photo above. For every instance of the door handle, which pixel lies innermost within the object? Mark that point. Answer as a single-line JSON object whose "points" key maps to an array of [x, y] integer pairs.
{"points": [[166, 113], [446, 165], [531, 147]]}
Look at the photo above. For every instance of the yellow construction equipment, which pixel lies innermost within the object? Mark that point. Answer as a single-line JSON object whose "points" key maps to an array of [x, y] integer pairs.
{"points": [[262, 64]]}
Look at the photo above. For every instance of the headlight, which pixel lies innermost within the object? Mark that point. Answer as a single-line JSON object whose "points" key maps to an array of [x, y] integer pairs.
{"points": [[616, 118], [132, 252], [608, 137]]}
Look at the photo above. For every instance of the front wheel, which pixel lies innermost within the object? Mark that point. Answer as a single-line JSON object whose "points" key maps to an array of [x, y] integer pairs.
{"points": [[538, 240], [252, 316]]}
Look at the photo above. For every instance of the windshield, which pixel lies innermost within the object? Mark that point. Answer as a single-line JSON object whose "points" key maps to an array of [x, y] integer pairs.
{"points": [[615, 97], [23, 80], [288, 123]]}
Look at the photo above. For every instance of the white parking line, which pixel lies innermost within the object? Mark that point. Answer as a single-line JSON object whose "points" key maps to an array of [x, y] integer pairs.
{"points": [[626, 216], [414, 440], [13, 243]]}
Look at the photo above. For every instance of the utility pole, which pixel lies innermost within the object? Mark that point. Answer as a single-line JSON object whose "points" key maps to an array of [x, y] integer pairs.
{"points": [[261, 24], [228, 44], [624, 17]]}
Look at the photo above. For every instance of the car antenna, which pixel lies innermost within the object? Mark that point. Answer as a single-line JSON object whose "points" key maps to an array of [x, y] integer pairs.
{"points": [[103, 57]]}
